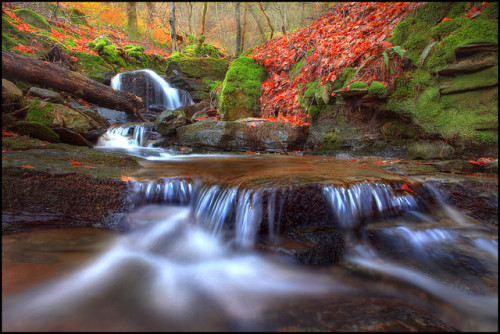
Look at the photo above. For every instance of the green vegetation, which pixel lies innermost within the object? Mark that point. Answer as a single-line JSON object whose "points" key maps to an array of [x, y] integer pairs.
{"points": [[240, 93], [332, 142], [377, 88], [94, 66], [358, 85], [40, 112], [36, 130], [32, 18]]}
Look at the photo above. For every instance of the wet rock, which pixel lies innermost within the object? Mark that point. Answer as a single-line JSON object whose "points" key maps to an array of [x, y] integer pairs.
{"points": [[457, 166], [69, 199], [156, 108], [240, 136], [467, 66], [168, 121], [10, 93], [190, 110], [71, 137], [491, 167], [36, 130], [430, 150], [45, 94]]}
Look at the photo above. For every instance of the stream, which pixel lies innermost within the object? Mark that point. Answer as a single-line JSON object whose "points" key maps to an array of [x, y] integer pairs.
{"points": [[191, 256]]}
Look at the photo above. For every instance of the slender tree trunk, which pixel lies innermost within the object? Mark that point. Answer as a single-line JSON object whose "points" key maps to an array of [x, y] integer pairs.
{"points": [[54, 13], [238, 29], [262, 36], [244, 27], [19, 67], [173, 38], [201, 40], [132, 20], [190, 15], [268, 21]]}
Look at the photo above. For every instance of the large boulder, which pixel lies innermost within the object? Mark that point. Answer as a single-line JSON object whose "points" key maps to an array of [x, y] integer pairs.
{"points": [[243, 135], [10, 93], [430, 150], [240, 93], [198, 76], [80, 120]]}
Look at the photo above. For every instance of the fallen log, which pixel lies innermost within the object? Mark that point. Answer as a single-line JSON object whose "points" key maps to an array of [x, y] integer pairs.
{"points": [[19, 67]]}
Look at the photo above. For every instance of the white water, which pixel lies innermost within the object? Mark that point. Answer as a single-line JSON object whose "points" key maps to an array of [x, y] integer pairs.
{"points": [[161, 91]]}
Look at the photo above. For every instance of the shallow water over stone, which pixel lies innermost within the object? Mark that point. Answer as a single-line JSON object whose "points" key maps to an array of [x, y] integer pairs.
{"points": [[192, 255]]}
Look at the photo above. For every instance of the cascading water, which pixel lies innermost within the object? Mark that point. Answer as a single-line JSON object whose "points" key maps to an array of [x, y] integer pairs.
{"points": [[152, 88]]}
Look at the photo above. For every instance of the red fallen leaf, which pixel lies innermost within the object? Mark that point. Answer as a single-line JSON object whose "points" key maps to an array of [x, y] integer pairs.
{"points": [[75, 163], [405, 187], [25, 166], [73, 58], [250, 152], [252, 124], [415, 163], [446, 19], [333, 94], [474, 162], [378, 163], [89, 167], [125, 178], [4, 158], [484, 160]]}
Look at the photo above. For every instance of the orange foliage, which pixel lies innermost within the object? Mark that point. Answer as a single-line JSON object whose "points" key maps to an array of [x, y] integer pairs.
{"points": [[338, 40]]}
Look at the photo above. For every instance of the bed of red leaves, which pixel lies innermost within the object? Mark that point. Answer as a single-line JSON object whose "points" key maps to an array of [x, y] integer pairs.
{"points": [[345, 36]]}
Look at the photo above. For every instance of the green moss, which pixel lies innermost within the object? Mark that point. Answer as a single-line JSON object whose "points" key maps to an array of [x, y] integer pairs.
{"points": [[295, 69], [490, 12], [91, 45], [433, 12], [100, 43], [240, 92], [358, 85], [7, 42], [310, 89], [477, 30], [93, 65], [377, 88], [32, 18], [332, 141], [314, 112], [40, 112], [77, 17], [36, 130], [110, 55], [397, 129], [485, 78], [70, 42]]}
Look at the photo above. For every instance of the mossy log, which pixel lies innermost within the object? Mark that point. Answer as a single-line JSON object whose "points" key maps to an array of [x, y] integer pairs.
{"points": [[19, 67]]}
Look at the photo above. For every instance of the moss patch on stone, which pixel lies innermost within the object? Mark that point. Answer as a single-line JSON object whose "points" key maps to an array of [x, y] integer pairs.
{"points": [[377, 88], [40, 112], [36, 130], [332, 142], [32, 18], [240, 92]]}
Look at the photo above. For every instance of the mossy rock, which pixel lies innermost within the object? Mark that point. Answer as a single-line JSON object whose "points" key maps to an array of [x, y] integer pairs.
{"points": [[33, 19], [332, 142], [93, 66], [100, 43], [70, 42], [397, 129], [430, 150], [240, 93], [200, 68], [314, 112], [11, 31], [378, 89], [36, 130], [110, 55], [40, 112], [7, 42], [474, 81]]}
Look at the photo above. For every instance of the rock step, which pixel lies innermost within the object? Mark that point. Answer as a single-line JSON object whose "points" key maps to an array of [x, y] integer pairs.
{"points": [[467, 66]]}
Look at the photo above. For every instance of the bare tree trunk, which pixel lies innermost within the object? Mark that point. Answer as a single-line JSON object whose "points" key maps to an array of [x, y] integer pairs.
{"points": [[201, 40], [244, 27], [268, 21], [19, 67], [238, 29], [173, 38], [259, 25], [132, 20], [302, 9], [190, 15], [54, 13]]}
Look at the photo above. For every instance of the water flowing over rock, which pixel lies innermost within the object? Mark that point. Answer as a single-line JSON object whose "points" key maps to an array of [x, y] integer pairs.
{"points": [[151, 88]]}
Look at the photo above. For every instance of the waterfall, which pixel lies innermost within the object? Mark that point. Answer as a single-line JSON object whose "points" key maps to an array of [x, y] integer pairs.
{"points": [[129, 135], [152, 88]]}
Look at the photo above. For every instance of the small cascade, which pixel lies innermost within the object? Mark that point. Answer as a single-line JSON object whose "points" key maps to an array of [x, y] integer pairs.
{"points": [[129, 135], [249, 211], [359, 201], [152, 88]]}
